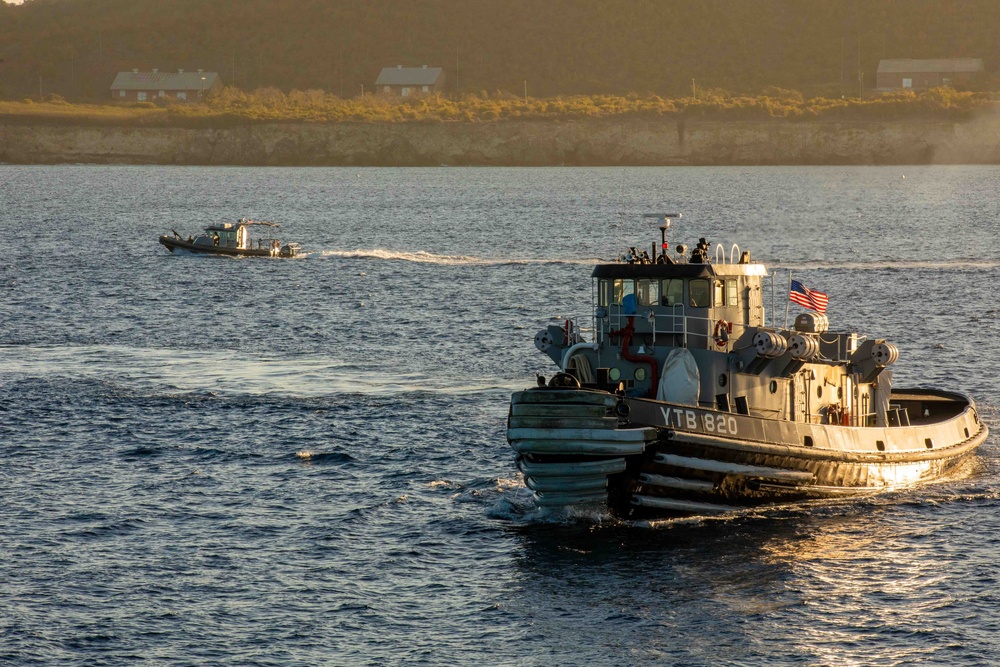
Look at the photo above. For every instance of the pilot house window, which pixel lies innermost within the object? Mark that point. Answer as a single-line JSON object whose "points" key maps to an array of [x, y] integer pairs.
{"points": [[700, 294], [648, 292], [673, 292], [623, 288], [731, 294]]}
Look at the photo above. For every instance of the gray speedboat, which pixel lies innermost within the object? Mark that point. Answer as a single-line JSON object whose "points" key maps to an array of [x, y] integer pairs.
{"points": [[686, 402], [232, 239]]}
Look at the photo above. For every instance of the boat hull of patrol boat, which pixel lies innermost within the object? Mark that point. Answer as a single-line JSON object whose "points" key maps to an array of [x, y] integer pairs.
{"points": [[181, 246]]}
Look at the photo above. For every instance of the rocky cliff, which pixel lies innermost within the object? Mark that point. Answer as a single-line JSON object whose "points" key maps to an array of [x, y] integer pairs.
{"points": [[530, 143]]}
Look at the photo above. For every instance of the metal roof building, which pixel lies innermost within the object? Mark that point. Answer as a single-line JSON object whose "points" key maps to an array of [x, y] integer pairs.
{"points": [[148, 86], [410, 80], [929, 73]]}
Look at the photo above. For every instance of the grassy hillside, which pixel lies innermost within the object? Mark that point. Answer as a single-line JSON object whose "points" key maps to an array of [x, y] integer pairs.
{"points": [[666, 48]]}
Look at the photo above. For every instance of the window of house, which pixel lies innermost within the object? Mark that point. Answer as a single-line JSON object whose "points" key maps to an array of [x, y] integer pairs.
{"points": [[386, 89], [426, 89], [732, 299], [141, 96], [648, 292], [672, 291], [700, 293], [161, 94], [182, 95], [121, 93], [404, 91], [907, 83]]}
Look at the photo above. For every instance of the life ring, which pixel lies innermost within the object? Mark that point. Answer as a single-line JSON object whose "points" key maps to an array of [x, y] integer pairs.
{"points": [[721, 332]]}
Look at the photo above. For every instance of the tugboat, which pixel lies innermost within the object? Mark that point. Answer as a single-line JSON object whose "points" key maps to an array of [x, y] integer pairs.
{"points": [[232, 239], [686, 402]]}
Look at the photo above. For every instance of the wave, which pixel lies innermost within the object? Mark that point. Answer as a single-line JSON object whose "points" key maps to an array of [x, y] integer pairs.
{"points": [[307, 456], [421, 257]]}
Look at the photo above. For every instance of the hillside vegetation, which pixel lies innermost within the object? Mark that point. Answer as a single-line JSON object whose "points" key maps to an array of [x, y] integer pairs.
{"points": [[232, 106], [589, 56]]}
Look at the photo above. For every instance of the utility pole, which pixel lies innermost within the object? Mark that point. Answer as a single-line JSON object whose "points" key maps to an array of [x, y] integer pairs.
{"points": [[857, 27], [526, 91], [694, 89], [842, 60]]}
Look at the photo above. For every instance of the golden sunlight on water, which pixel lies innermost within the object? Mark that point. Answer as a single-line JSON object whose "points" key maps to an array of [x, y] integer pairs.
{"points": [[862, 580]]}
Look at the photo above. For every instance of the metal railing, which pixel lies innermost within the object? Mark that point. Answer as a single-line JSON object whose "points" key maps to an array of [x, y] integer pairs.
{"points": [[672, 323]]}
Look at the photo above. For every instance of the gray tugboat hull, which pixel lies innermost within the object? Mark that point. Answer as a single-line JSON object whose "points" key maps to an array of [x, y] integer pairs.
{"points": [[671, 459]]}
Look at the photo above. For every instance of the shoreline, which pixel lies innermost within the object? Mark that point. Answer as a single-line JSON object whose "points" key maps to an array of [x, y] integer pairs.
{"points": [[591, 142]]}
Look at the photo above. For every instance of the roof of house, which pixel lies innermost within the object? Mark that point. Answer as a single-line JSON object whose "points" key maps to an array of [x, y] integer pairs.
{"points": [[164, 80], [933, 65], [408, 76]]}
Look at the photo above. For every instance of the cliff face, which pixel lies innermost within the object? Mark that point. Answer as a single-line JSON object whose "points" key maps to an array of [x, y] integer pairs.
{"points": [[528, 143]]}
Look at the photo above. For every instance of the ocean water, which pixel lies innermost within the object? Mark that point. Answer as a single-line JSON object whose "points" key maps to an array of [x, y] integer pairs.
{"points": [[210, 461]]}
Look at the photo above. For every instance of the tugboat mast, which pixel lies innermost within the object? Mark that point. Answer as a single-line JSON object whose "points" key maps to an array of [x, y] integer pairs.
{"points": [[662, 257]]}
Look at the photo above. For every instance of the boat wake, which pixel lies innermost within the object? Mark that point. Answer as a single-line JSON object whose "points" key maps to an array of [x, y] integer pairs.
{"points": [[421, 257], [515, 503], [230, 372], [891, 265]]}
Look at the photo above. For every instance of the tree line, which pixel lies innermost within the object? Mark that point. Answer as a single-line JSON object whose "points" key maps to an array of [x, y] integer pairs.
{"points": [[668, 48]]}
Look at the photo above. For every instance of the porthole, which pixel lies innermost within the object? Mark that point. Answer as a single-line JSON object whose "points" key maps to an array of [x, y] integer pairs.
{"points": [[928, 443], [723, 379], [807, 441], [840, 392], [966, 433], [819, 391], [774, 386], [614, 375], [879, 445], [640, 374]]}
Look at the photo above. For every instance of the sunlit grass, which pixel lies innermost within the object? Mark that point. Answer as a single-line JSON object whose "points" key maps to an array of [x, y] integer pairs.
{"points": [[231, 106]]}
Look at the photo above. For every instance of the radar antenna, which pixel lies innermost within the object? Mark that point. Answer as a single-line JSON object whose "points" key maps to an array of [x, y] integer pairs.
{"points": [[662, 257]]}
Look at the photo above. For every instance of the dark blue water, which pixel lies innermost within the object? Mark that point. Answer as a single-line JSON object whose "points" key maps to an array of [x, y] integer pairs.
{"points": [[302, 462]]}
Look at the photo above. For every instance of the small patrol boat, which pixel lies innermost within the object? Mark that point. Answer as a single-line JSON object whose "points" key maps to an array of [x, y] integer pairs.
{"points": [[686, 402], [233, 239]]}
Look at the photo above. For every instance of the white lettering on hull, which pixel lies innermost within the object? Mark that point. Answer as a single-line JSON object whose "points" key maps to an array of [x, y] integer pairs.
{"points": [[710, 422]]}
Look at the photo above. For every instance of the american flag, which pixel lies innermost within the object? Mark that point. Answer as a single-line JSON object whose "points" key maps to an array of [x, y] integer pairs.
{"points": [[808, 298]]}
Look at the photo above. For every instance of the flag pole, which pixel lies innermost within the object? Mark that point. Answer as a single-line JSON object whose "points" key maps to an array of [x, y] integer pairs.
{"points": [[772, 300], [786, 302]]}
